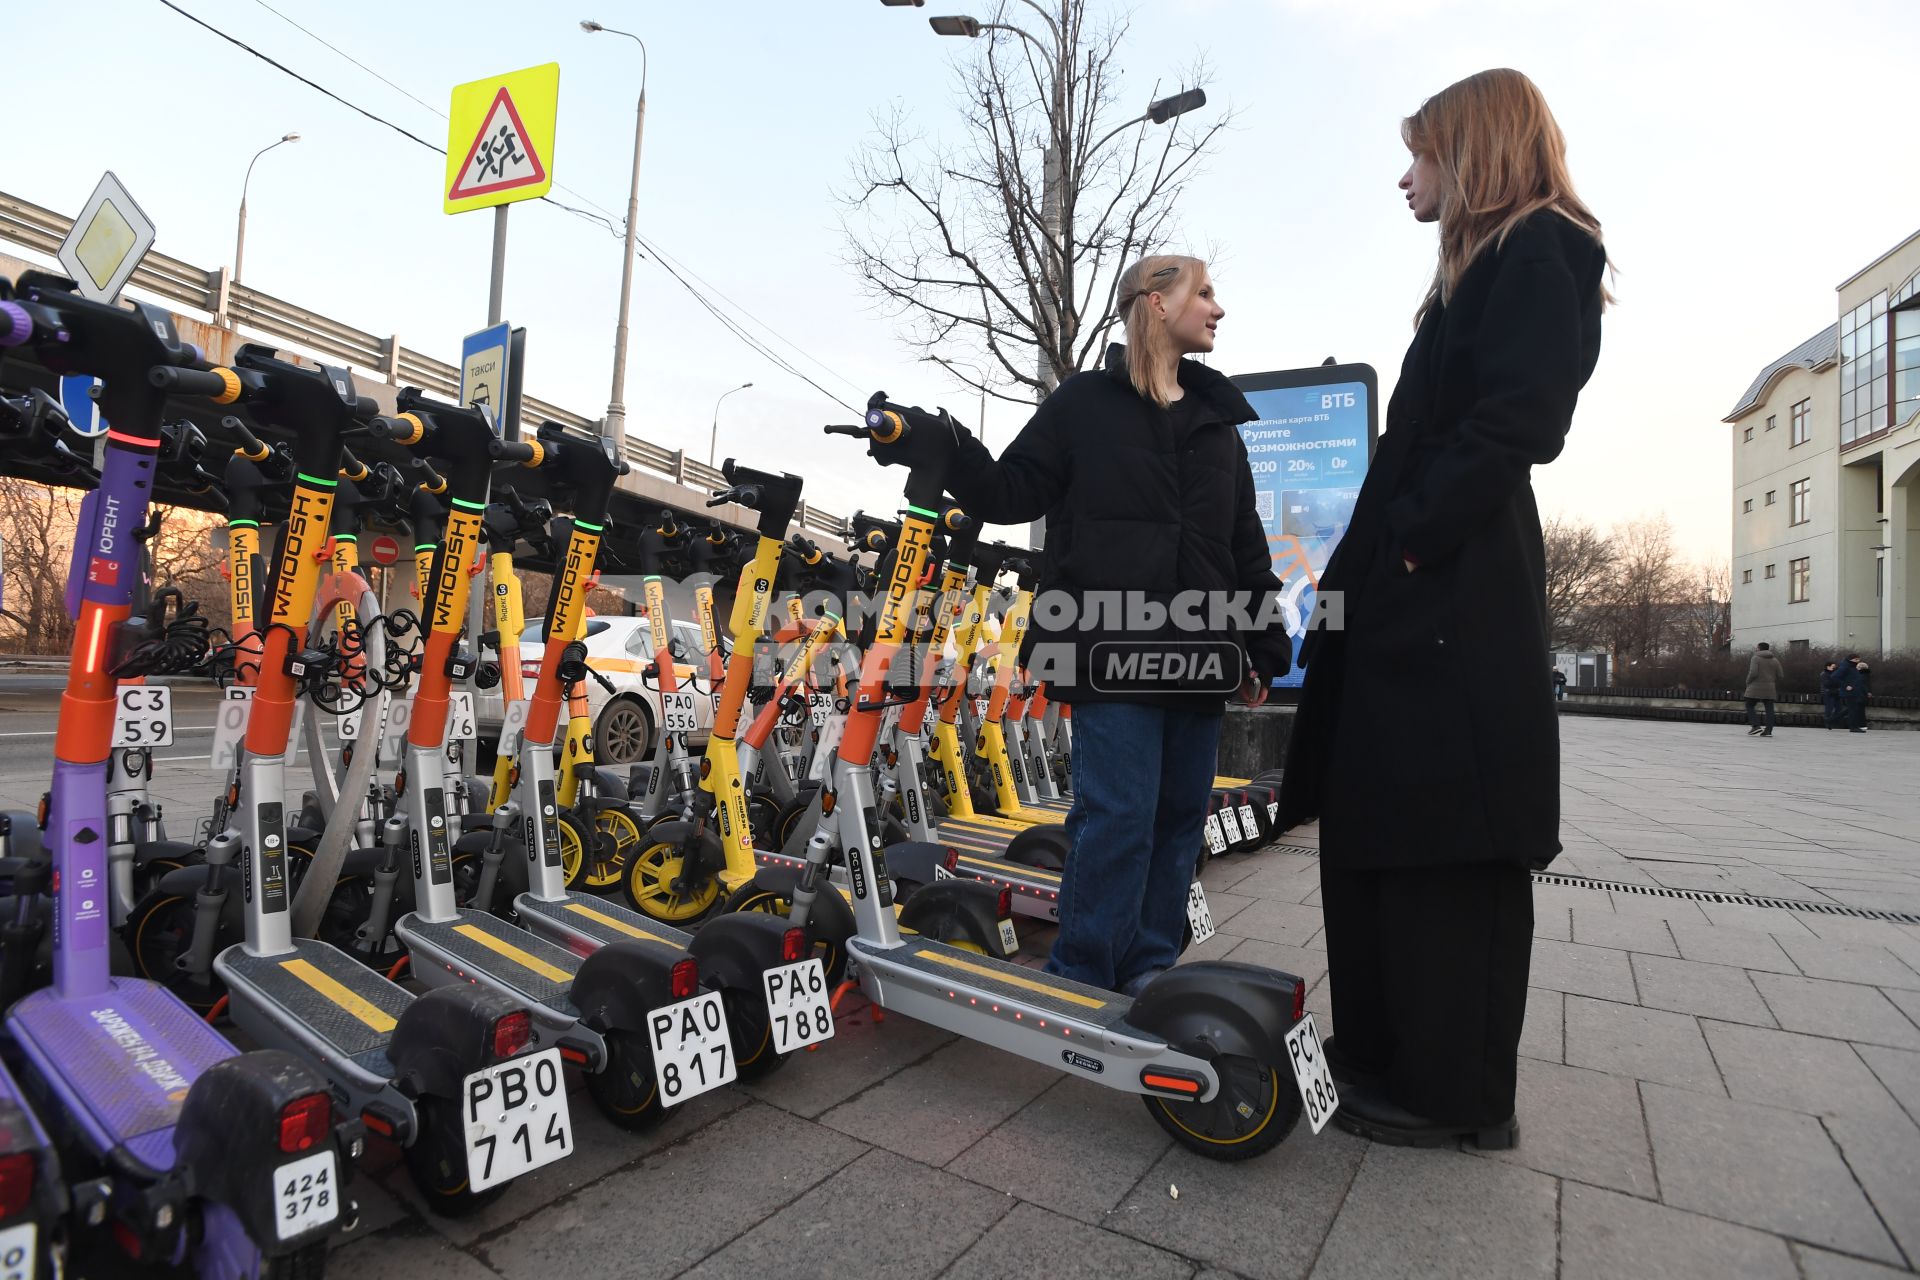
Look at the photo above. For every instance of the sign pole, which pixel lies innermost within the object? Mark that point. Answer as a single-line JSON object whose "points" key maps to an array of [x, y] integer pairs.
{"points": [[497, 288]]}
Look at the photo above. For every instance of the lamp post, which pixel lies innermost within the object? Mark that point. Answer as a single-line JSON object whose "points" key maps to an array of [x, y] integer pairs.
{"points": [[713, 437], [979, 384], [616, 429], [240, 238]]}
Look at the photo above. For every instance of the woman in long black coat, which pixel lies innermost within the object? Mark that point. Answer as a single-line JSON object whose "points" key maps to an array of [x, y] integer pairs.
{"points": [[1435, 775]]}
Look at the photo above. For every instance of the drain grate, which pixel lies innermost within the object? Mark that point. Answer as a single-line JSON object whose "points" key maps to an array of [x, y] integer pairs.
{"points": [[1728, 899], [1689, 895]]}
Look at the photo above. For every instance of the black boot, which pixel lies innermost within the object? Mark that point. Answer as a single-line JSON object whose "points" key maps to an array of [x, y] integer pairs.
{"points": [[1371, 1115]]}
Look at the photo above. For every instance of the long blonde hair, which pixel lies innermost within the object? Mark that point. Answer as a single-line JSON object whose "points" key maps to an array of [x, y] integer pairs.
{"points": [[1147, 344], [1501, 157]]}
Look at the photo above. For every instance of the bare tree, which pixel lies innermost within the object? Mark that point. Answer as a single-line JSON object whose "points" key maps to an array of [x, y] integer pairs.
{"points": [[1636, 612], [1009, 244], [1706, 614], [1577, 573], [37, 524]]}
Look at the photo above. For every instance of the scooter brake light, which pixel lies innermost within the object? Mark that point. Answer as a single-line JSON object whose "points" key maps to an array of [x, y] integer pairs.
{"points": [[1003, 906], [16, 1182], [512, 1033], [1299, 1001], [304, 1123], [684, 979], [793, 946]]}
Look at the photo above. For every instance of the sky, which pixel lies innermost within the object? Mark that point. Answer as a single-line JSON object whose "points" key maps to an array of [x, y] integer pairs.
{"points": [[1744, 158]]}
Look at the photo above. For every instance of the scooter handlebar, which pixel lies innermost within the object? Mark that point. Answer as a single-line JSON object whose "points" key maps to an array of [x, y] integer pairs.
{"points": [[522, 451], [214, 384]]}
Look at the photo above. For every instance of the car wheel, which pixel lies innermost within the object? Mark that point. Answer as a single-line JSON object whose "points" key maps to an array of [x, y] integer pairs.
{"points": [[623, 734]]}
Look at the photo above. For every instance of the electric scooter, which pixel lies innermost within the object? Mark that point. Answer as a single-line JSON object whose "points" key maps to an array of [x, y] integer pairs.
{"points": [[190, 1150], [632, 1013], [443, 1075], [1206, 1045]]}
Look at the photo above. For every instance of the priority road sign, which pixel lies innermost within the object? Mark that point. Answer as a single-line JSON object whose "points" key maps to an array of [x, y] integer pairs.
{"points": [[500, 138], [106, 242]]}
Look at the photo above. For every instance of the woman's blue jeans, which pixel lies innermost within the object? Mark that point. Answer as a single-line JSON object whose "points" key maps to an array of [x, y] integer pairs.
{"points": [[1142, 776]]}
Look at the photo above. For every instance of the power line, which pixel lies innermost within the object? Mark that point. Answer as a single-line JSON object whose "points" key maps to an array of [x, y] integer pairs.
{"points": [[732, 326]]}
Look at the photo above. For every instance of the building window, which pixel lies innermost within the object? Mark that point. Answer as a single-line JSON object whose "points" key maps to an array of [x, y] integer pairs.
{"points": [[1802, 411], [1773, 420], [1906, 362], [1799, 646], [1772, 496], [1769, 573], [1797, 496], [1864, 375], [1748, 437], [1746, 575], [1798, 571], [1746, 508]]}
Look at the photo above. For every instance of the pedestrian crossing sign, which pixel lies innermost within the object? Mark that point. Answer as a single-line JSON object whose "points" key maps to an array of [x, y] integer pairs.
{"points": [[500, 138]]}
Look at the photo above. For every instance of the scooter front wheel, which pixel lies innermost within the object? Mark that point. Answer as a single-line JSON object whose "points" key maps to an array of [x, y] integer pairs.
{"points": [[658, 882], [624, 1089], [1255, 1109], [573, 852], [158, 933], [437, 1161], [616, 836]]}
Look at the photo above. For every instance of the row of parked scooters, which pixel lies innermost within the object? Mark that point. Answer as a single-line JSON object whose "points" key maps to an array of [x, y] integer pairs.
{"points": [[874, 805]]}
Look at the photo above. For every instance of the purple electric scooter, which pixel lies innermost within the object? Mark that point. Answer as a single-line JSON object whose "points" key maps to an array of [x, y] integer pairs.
{"points": [[194, 1155]]}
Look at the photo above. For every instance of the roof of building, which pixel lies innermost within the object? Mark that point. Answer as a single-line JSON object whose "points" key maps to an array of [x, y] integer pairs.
{"points": [[1822, 348]]}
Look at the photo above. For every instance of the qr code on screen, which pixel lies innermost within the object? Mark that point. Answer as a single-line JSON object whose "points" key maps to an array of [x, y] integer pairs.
{"points": [[1263, 503]]}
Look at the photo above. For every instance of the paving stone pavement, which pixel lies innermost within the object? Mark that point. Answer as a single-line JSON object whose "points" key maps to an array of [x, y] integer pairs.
{"points": [[1707, 1088]]}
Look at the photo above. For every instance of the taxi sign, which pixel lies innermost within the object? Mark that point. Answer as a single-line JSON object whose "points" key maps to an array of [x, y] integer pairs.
{"points": [[106, 241], [500, 139]]}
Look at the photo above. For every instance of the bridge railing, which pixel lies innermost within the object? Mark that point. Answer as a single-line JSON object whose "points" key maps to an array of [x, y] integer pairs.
{"points": [[25, 223]]}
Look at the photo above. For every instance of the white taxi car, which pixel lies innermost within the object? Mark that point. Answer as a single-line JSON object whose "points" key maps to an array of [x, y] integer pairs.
{"points": [[625, 721]]}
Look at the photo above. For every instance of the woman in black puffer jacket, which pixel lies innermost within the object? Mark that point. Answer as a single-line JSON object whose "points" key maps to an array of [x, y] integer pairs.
{"points": [[1157, 602]]}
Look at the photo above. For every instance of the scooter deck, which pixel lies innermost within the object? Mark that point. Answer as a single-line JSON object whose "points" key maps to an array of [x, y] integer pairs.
{"points": [[348, 1006], [582, 920], [473, 942], [948, 968], [119, 1063]]}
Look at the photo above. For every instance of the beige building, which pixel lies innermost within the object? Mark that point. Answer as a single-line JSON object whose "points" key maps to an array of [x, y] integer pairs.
{"points": [[1826, 476]]}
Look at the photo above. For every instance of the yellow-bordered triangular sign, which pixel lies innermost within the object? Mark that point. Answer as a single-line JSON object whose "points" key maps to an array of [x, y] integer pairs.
{"points": [[500, 138]]}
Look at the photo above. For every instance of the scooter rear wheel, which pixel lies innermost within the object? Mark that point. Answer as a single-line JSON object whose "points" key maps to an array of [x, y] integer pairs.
{"points": [[1254, 1111], [437, 1161], [624, 1089], [309, 1263], [750, 1027], [833, 958]]}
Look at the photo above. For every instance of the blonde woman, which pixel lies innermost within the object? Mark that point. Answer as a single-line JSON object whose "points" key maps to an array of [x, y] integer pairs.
{"points": [[1434, 770], [1141, 473]]}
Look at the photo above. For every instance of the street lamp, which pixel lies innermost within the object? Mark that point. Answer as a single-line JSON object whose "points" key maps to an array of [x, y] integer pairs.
{"points": [[240, 239], [616, 402], [979, 383], [714, 436]]}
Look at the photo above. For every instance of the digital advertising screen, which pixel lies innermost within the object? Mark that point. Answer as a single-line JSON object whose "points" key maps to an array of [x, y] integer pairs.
{"points": [[1309, 451]]}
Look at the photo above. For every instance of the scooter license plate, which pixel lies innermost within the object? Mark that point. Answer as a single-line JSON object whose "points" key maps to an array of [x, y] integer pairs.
{"points": [[680, 714], [516, 1118], [1198, 916], [1009, 940], [1249, 821], [1215, 841], [691, 1050], [306, 1195], [799, 1005], [19, 1251], [1308, 1057], [1230, 824], [144, 718], [819, 708]]}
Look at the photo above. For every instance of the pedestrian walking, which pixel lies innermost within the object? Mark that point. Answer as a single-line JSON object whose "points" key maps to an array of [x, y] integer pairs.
{"points": [[1434, 774], [1856, 693], [1559, 685], [1831, 681], [1763, 685]]}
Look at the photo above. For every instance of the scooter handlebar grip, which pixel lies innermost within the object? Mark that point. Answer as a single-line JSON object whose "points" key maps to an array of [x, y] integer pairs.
{"points": [[222, 386], [16, 326], [527, 452]]}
